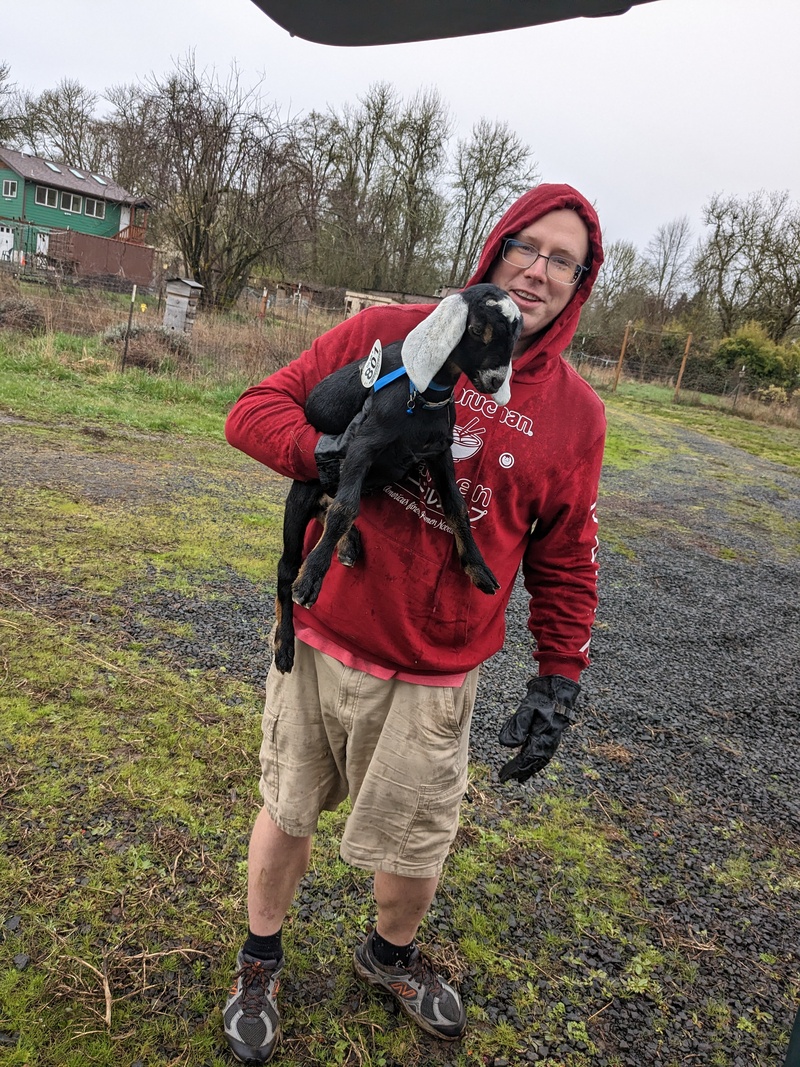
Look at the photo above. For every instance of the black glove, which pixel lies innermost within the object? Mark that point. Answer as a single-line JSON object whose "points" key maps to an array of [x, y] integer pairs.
{"points": [[537, 725], [332, 448]]}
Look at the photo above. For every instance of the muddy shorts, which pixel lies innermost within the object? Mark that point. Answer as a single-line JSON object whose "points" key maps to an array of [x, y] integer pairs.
{"points": [[397, 749]]}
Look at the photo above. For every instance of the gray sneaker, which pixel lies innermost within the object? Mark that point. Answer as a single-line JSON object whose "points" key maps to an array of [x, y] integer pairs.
{"points": [[252, 1023], [418, 989]]}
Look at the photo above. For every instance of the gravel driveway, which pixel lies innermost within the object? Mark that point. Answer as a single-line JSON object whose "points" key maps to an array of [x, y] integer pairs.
{"points": [[690, 727]]}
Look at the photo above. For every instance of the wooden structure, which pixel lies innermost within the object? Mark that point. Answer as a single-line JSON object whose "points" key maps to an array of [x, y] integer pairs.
{"points": [[183, 296], [355, 301], [84, 256]]}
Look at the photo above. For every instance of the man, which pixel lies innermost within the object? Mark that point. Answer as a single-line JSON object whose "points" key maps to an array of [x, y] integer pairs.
{"points": [[379, 703]]}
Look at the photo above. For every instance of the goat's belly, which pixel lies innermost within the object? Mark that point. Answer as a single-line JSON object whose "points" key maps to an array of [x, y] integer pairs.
{"points": [[394, 464]]}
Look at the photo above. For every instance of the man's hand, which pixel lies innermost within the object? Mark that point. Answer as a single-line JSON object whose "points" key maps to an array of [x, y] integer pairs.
{"points": [[537, 725], [332, 448]]}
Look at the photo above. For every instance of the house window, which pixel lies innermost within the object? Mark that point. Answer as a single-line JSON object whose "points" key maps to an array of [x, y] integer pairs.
{"points": [[96, 208], [71, 203], [9, 189], [46, 197]]}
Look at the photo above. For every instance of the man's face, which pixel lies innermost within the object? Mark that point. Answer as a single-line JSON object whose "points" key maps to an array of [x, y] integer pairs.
{"points": [[539, 298]]}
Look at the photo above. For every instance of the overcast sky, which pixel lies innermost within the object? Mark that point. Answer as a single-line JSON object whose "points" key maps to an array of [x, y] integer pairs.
{"points": [[673, 101]]}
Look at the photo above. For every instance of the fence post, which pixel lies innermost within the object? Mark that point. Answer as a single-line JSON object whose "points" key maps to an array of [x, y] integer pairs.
{"points": [[621, 356], [738, 387], [128, 330], [683, 368]]}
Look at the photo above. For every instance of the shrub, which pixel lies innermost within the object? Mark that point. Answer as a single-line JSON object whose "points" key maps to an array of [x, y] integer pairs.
{"points": [[789, 358], [18, 313], [750, 348], [773, 394], [153, 348]]}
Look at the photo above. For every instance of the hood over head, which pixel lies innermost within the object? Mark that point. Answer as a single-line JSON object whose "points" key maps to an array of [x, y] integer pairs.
{"points": [[530, 207]]}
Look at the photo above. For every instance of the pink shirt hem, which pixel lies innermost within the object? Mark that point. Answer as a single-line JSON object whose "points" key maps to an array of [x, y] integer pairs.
{"points": [[349, 659]]}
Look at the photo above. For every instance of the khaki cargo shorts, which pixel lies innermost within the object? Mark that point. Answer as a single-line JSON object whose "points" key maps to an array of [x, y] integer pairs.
{"points": [[398, 750]]}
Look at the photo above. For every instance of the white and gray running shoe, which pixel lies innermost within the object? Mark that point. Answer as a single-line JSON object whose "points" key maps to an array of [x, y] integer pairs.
{"points": [[423, 995], [252, 1023]]}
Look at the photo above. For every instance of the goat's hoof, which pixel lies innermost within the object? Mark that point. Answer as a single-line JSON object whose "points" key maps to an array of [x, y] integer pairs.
{"points": [[305, 593], [483, 578], [284, 658]]}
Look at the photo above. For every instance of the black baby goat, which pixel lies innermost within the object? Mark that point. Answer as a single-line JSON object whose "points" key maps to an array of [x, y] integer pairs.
{"points": [[402, 404]]}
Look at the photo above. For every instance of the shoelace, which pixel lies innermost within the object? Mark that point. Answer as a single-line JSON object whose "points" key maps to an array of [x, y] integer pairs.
{"points": [[255, 984], [422, 970]]}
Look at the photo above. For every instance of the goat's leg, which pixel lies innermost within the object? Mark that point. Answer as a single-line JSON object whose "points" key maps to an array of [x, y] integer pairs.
{"points": [[349, 547], [457, 518], [302, 503], [339, 520]]}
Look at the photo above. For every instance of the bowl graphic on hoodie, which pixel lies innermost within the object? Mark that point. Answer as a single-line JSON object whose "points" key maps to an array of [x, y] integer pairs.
{"points": [[467, 440]]}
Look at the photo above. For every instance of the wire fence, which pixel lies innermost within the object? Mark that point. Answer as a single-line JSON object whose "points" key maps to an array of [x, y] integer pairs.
{"points": [[267, 328], [272, 325], [676, 360]]}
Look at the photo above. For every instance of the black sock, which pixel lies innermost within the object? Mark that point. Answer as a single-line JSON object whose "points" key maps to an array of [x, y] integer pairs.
{"points": [[391, 955], [264, 948]]}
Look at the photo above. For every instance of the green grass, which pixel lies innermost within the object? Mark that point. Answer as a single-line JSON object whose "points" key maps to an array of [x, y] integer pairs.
{"points": [[781, 444], [629, 442], [128, 778], [59, 377]]}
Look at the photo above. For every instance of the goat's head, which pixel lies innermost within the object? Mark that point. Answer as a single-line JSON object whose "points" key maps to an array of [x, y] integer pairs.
{"points": [[473, 332]]}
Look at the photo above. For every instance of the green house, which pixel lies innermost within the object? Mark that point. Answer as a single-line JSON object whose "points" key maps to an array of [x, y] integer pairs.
{"points": [[41, 201]]}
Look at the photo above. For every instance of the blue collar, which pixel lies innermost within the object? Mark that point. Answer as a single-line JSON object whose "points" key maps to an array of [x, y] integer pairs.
{"points": [[414, 392], [392, 376]]}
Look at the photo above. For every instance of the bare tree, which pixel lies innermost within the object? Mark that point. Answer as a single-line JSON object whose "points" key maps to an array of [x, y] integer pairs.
{"points": [[667, 263], [381, 214], [415, 148], [356, 223], [9, 119], [490, 170], [776, 268], [136, 156], [61, 124], [721, 265], [748, 265], [226, 199], [619, 291], [314, 157]]}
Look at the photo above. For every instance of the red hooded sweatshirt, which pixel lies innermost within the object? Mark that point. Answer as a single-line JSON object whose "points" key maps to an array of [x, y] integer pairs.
{"points": [[528, 471]]}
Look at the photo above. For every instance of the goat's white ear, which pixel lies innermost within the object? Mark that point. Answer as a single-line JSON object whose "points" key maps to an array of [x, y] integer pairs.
{"points": [[427, 347], [503, 394]]}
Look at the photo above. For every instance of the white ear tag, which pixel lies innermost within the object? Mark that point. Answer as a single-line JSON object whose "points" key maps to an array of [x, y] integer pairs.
{"points": [[371, 370]]}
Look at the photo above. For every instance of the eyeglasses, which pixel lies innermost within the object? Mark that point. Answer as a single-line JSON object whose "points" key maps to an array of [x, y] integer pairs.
{"points": [[558, 268]]}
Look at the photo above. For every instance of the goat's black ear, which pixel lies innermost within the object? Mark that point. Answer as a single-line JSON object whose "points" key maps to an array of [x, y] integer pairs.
{"points": [[427, 347]]}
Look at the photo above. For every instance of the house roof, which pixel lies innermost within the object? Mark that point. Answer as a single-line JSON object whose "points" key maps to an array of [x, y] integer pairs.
{"points": [[60, 176], [185, 281]]}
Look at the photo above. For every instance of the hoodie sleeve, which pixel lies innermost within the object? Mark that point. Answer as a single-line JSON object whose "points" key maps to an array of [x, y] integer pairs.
{"points": [[268, 421], [560, 570]]}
